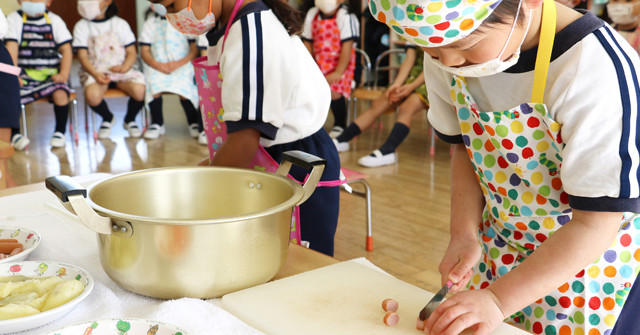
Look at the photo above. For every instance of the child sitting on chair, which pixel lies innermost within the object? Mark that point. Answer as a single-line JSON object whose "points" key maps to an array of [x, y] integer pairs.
{"points": [[39, 43], [625, 16], [106, 48]]}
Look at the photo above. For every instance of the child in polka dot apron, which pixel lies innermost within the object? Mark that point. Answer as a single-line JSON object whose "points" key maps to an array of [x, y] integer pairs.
{"points": [[331, 33], [541, 102]]}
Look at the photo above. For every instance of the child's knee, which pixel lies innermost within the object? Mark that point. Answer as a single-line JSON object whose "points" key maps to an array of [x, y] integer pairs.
{"points": [[137, 91], [60, 97], [92, 96]]}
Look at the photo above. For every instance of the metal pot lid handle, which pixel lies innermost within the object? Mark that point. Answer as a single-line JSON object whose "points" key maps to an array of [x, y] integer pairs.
{"points": [[307, 161], [72, 196]]}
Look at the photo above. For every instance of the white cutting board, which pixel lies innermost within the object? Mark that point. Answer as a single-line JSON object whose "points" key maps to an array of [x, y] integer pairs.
{"points": [[343, 298]]}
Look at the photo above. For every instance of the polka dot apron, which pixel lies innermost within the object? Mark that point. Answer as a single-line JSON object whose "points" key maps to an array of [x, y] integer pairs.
{"points": [[326, 51], [517, 156]]}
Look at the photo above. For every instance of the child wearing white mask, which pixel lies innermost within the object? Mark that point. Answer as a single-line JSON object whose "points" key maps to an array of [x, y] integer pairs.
{"points": [[106, 48], [541, 104], [331, 34], [167, 56], [625, 17], [40, 43]]}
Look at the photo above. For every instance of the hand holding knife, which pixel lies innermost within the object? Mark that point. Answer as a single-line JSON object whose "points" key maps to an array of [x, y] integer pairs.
{"points": [[435, 301]]}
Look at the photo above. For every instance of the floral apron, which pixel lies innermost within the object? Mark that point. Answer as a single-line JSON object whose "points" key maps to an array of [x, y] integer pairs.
{"points": [[39, 59], [517, 157], [326, 50], [106, 51], [170, 45]]}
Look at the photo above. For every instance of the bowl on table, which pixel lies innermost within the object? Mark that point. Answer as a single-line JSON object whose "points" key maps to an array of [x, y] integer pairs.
{"points": [[29, 239]]}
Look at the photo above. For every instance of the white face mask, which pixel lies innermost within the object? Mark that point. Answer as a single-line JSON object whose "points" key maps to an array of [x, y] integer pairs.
{"points": [[622, 13], [89, 9], [185, 21], [327, 6], [493, 66], [33, 8]]}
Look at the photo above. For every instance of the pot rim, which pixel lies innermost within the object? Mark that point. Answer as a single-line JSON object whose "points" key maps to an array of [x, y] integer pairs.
{"points": [[293, 201]]}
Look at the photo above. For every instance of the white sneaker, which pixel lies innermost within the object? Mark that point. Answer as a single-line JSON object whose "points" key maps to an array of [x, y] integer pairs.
{"points": [[58, 140], [335, 132], [376, 158], [193, 130], [154, 131], [105, 129], [341, 146], [19, 142], [202, 138], [134, 130]]}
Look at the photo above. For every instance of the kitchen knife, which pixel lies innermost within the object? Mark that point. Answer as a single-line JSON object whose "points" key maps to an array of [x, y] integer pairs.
{"points": [[435, 301]]}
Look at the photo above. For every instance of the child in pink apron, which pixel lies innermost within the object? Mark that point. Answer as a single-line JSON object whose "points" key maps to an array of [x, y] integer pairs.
{"points": [[106, 48], [269, 96], [331, 34], [541, 102]]}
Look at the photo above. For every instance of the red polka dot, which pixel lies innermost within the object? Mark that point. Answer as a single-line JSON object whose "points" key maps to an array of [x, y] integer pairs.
{"points": [[517, 235], [419, 10], [556, 183], [580, 274], [502, 162], [489, 146], [527, 152], [477, 129], [484, 285], [565, 302], [507, 144], [529, 246], [533, 122], [537, 327], [540, 199], [564, 198], [442, 26], [594, 303], [541, 237], [625, 240], [435, 39], [507, 259], [492, 188]]}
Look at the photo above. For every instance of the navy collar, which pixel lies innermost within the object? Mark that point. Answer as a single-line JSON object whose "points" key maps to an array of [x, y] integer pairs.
{"points": [[32, 18], [564, 40], [218, 31]]}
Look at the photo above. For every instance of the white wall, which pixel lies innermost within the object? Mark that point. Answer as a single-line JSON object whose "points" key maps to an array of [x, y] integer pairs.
{"points": [[141, 8]]}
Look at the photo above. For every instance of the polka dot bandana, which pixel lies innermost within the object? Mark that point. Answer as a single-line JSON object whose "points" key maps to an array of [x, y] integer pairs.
{"points": [[432, 23]]}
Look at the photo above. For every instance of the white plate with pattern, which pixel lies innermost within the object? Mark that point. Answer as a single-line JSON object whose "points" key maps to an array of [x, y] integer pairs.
{"points": [[119, 326], [29, 239]]}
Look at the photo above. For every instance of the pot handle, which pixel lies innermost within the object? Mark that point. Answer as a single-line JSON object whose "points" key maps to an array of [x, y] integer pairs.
{"points": [[307, 161], [72, 196]]}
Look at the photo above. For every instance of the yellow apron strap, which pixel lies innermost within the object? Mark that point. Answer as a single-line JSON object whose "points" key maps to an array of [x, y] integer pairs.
{"points": [[24, 18], [545, 46]]}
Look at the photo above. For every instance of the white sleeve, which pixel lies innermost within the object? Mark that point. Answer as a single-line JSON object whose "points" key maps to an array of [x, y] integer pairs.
{"points": [[348, 25], [124, 32], [146, 36], [81, 34], [307, 34], [202, 42], [442, 115], [61, 33], [3, 25], [15, 27]]}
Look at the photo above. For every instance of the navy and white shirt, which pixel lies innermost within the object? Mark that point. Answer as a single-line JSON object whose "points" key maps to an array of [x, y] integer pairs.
{"points": [[592, 90], [84, 30], [270, 81], [61, 34]]}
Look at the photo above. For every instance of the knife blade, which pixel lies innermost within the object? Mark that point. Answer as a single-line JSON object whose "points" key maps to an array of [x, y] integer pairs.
{"points": [[435, 301]]}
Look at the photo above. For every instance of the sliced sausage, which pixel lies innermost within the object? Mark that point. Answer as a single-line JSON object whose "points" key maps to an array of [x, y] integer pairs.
{"points": [[391, 318], [420, 324], [390, 305], [8, 247]]}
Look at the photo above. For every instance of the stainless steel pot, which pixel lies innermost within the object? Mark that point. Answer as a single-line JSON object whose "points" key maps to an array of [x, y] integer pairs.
{"points": [[196, 232]]}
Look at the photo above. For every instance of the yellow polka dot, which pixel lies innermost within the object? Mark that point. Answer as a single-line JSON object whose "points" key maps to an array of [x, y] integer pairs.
{"points": [[465, 127], [434, 6], [542, 146], [453, 95], [548, 223], [578, 331], [501, 177], [527, 197], [593, 271], [476, 279], [610, 320], [504, 216], [555, 126], [516, 127], [393, 23], [536, 178]]}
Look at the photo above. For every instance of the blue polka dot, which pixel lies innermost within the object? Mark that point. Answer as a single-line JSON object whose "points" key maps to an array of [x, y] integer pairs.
{"points": [[561, 316], [514, 180], [499, 242], [489, 175], [466, 140], [513, 158], [451, 16], [610, 256], [532, 165], [426, 30], [551, 315], [491, 233], [503, 270], [563, 219], [477, 157], [626, 271], [529, 237], [594, 287], [637, 239], [509, 226], [468, 10], [463, 113], [636, 222], [489, 276], [498, 199], [526, 211], [398, 13], [527, 311]]}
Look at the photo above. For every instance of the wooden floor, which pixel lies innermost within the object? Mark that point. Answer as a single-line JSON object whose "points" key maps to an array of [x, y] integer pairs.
{"points": [[410, 198]]}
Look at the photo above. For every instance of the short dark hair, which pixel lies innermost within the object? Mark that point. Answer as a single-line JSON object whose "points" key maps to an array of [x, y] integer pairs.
{"points": [[503, 14], [112, 11]]}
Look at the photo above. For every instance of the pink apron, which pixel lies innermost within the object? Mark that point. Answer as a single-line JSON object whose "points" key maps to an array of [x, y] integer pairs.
{"points": [[326, 50], [517, 157]]}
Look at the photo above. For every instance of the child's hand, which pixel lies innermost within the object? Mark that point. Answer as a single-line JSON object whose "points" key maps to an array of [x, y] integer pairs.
{"points": [[102, 78], [59, 78], [475, 309], [118, 69], [333, 77], [390, 91], [399, 94], [173, 65], [163, 67], [458, 261]]}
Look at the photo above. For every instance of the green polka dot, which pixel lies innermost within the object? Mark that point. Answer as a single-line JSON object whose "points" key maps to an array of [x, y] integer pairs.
{"points": [[551, 301], [521, 141], [451, 33], [513, 194], [506, 203], [534, 225], [495, 213], [489, 161], [495, 143], [476, 143], [421, 41], [545, 190], [527, 324], [481, 14], [452, 3], [482, 267], [608, 288], [538, 312], [577, 287], [374, 8], [550, 330], [540, 108], [485, 117], [578, 317], [625, 256], [594, 319], [460, 98], [402, 2], [541, 212], [386, 5], [554, 203], [434, 19], [502, 130], [494, 253], [538, 135], [398, 30]]}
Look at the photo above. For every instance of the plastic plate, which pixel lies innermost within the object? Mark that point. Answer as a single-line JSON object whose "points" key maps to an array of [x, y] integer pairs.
{"points": [[29, 239]]}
